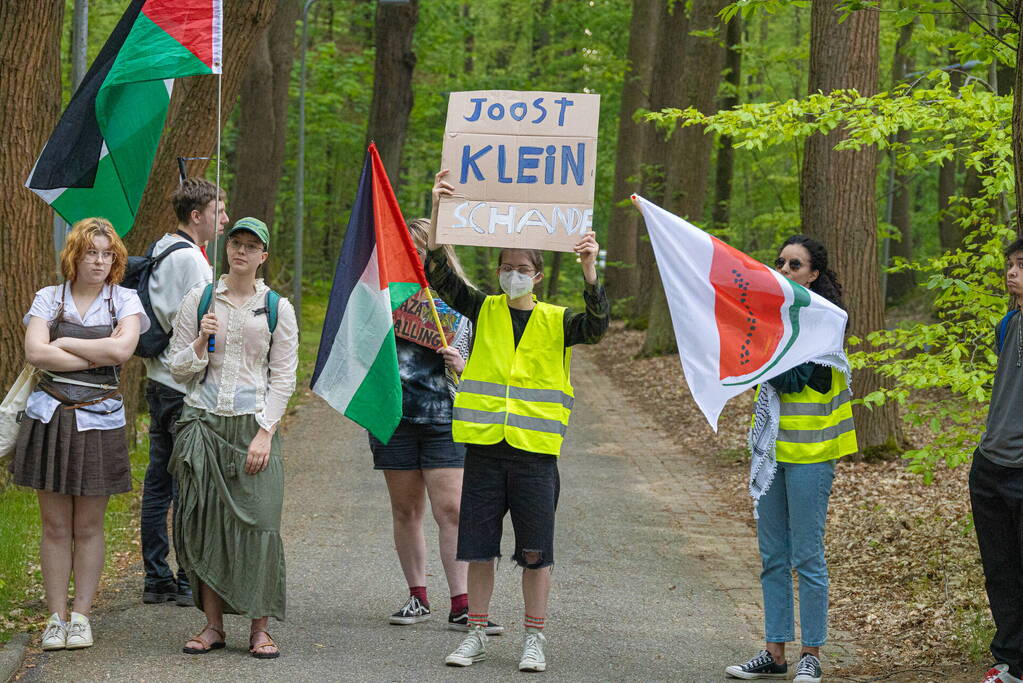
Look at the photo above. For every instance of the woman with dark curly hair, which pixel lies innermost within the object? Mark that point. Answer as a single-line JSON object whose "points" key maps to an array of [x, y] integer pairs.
{"points": [[814, 428]]}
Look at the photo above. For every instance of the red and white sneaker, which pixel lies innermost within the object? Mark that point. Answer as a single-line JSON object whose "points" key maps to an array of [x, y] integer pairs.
{"points": [[999, 673]]}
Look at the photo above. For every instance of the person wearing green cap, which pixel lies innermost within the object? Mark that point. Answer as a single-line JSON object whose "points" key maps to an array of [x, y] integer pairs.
{"points": [[227, 454]]}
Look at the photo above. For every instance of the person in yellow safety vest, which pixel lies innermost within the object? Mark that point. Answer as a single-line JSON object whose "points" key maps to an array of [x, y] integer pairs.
{"points": [[511, 411], [815, 428]]}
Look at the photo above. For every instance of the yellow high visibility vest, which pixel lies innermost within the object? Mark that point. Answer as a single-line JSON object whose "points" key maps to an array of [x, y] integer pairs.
{"points": [[816, 427], [521, 394]]}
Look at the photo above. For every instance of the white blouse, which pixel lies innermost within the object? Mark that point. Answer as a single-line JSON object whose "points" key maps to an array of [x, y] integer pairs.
{"points": [[126, 302], [247, 374]]}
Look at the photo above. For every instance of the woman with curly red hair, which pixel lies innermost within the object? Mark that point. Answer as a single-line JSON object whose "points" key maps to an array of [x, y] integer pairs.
{"points": [[71, 445]]}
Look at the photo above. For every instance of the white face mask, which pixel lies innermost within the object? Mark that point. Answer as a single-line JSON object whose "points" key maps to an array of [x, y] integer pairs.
{"points": [[515, 284]]}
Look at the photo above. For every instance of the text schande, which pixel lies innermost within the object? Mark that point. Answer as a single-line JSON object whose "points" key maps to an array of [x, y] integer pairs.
{"points": [[485, 218]]}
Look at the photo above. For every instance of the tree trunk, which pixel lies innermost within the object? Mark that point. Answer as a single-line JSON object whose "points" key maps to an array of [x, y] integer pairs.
{"points": [[838, 202], [665, 91], [622, 274], [901, 284], [392, 83], [726, 155], [950, 233], [263, 124], [29, 107], [687, 172], [1017, 132]]}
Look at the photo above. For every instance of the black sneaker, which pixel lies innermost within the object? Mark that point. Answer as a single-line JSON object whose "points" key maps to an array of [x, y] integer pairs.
{"points": [[152, 595], [412, 612], [761, 666], [183, 597], [808, 670], [459, 621]]}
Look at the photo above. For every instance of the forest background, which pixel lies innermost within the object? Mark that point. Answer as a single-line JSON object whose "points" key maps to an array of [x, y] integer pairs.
{"points": [[885, 129]]}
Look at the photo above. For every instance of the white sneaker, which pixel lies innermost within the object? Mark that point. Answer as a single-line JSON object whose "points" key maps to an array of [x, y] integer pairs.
{"points": [[55, 635], [79, 632], [532, 652], [473, 649]]}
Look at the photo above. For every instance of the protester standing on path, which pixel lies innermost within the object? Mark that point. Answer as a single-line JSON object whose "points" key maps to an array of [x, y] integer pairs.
{"points": [[200, 214], [814, 428], [421, 460], [71, 445], [996, 486], [512, 411], [227, 453]]}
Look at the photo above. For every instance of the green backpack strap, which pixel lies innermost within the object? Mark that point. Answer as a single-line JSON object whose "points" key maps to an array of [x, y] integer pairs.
{"points": [[204, 304], [273, 299]]}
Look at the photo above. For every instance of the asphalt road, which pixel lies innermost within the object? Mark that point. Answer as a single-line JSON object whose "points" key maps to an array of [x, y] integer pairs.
{"points": [[641, 588]]}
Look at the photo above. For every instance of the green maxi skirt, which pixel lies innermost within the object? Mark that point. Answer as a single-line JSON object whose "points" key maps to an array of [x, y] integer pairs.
{"points": [[227, 523]]}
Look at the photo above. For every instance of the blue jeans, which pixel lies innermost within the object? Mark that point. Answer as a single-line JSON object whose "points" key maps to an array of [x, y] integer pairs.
{"points": [[160, 490], [791, 536]]}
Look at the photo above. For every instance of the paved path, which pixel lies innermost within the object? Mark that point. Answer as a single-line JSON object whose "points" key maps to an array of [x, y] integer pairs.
{"points": [[650, 585]]}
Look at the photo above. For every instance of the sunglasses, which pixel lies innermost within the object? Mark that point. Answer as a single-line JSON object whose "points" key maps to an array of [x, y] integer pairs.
{"points": [[794, 264]]}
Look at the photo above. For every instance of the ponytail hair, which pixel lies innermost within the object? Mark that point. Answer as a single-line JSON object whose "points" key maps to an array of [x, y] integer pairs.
{"points": [[826, 284]]}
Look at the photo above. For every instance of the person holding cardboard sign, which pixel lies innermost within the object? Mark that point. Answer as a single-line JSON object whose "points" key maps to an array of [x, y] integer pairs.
{"points": [[512, 411]]}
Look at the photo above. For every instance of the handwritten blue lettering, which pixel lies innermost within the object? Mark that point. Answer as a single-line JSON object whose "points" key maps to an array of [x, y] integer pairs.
{"points": [[469, 161], [564, 102], [526, 162], [479, 108], [577, 163], [501, 162]]}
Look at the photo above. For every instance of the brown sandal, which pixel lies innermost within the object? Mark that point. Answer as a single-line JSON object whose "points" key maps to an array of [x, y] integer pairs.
{"points": [[210, 646], [254, 650]]}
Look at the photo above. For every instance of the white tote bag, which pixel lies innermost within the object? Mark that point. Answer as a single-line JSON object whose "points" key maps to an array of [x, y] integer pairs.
{"points": [[14, 403]]}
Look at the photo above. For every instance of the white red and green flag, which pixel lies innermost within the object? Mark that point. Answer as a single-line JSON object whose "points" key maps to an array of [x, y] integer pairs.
{"points": [[98, 159], [737, 322], [377, 271]]}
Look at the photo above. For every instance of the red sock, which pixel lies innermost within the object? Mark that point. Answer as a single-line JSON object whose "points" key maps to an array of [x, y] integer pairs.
{"points": [[478, 619], [459, 603], [534, 622], [419, 592]]}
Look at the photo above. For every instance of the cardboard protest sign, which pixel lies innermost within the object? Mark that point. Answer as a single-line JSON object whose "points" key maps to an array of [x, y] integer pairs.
{"points": [[414, 321], [523, 165]]}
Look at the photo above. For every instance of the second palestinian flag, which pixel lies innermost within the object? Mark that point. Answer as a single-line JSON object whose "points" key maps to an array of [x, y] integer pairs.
{"points": [[98, 159], [357, 364]]}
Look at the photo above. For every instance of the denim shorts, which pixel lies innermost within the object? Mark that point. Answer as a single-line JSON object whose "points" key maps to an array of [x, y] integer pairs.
{"points": [[416, 446], [494, 483]]}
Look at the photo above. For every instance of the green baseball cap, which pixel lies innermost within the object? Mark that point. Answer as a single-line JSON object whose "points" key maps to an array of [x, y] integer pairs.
{"points": [[253, 225]]}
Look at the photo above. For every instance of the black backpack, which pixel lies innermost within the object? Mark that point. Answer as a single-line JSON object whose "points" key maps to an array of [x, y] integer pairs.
{"points": [[153, 341]]}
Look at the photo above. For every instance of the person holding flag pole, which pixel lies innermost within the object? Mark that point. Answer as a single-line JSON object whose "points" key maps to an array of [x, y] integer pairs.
{"points": [[420, 460], [512, 411], [740, 325]]}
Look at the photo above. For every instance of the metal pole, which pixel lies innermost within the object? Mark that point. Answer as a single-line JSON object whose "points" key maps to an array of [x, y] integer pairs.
{"points": [[300, 170], [79, 43]]}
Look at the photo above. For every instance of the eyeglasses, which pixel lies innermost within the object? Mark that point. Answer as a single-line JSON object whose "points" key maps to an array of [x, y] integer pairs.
{"points": [[523, 270], [794, 264], [94, 256], [246, 247]]}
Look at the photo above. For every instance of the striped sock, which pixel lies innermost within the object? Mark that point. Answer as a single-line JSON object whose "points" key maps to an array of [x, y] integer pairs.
{"points": [[478, 620], [534, 622]]}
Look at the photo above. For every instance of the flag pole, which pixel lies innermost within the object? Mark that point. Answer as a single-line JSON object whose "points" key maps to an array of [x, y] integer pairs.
{"points": [[211, 347], [436, 318], [440, 328]]}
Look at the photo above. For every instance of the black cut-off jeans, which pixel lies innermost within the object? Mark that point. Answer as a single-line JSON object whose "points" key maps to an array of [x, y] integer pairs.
{"points": [[996, 495], [160, 490]]}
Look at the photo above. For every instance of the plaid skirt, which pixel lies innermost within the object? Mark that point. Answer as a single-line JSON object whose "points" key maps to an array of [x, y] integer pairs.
{"points": [[56, 457]]}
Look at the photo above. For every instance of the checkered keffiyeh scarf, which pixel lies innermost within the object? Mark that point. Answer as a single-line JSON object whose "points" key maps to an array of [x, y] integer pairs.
{"points": [[764, 432], [462, 342]]}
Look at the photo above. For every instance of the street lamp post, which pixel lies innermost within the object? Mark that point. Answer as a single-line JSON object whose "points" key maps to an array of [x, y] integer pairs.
{"points": [[300, 174]]}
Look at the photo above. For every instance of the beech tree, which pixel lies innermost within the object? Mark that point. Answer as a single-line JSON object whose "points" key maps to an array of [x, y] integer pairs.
{"points": [[30, 35], [838, 200]]}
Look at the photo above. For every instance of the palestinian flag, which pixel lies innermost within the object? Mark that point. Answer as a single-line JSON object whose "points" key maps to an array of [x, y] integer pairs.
{"points": [[737, 322], [97, 161], [357, 364]]}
